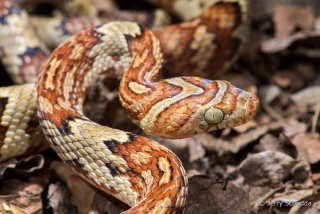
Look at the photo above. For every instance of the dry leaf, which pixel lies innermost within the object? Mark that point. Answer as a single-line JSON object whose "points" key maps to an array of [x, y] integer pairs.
{"points": [[21, 197], [89, 199], [311, 143], [245, 127], [315, 209], [301, 172], [268, 93], [60, 199], [293, 127], [287, 18], [269, 167], [306, 97], [238, 142], [269, 142], [206, 195]]}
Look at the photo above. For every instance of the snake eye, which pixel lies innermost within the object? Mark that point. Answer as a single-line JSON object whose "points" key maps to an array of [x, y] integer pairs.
{"points": [[213, 115]]}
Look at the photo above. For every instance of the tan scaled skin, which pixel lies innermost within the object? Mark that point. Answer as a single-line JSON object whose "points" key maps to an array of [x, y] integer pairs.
{"points": [[135, 169]]}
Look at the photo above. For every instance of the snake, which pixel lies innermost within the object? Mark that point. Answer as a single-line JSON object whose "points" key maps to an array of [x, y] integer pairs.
{"points": [[135, 169], [211, 41]]}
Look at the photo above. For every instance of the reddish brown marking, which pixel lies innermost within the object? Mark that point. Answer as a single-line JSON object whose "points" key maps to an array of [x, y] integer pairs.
{"points": [[32, 150], [138, 169], [76, 167], [128, 145], [32, 125], [3, 129], [110, 191], [116, 57], [131, 151], [144, 167], [131, 165]]}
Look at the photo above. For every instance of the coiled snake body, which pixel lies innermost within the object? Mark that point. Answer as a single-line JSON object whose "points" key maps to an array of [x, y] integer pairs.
{"points": [[137, 170]]}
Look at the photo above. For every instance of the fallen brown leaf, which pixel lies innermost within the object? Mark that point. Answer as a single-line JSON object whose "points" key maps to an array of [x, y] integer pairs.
{"points": [[306, 97], [269, 167], [311, 142], [60, 199], [209, 196], [21, 197], [289, 17]]}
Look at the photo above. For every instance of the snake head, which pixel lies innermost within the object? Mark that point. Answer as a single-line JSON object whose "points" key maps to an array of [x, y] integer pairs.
{"points": [[200, 106], [230, 107]]}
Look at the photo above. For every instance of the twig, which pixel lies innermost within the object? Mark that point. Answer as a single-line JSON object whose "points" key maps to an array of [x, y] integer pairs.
{"points": [[273, 113]]}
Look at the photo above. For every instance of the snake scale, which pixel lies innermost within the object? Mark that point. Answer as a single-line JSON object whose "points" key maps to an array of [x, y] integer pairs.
{"points": [[139, 171]]}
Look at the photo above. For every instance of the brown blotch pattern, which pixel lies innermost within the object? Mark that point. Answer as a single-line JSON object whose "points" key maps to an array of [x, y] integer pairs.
{"points": [[220, 20]]}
